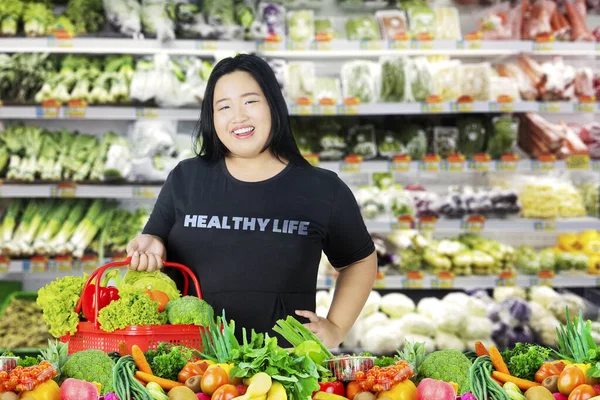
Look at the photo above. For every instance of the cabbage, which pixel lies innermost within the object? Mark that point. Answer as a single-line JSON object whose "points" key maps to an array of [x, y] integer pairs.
{"points": [[151, 281], [515, 312], [301, 25], [362, 28]]}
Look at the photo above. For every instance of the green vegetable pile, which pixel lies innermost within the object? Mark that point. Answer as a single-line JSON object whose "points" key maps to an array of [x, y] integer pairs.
{"points": [[10, 15], [393, 79], [448, 366], [506, 130], [58, 300], [133, 308], [91, 366], [525, 359], [189, 310], [166, 361], [362, 28], [38, 19], [88, 15]]}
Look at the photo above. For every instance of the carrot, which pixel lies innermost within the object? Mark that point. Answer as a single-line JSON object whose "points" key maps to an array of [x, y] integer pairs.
{"points": [[480, 349], [163, 383], [123, 350], [522, 384], [140, 359], [497, 381], [497, 361]]}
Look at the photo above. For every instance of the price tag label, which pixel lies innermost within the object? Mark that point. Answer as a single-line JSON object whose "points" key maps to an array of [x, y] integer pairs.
{"points": [[549, 107], [423, 41], [313, 159], [298, 46], [371, 45], [210, 45], [578, 162], [472, 41], [474, 223], [433, 104], [544, 226], [64, 190], [443, 280], [430, 163], [143, 192], [380, 280], [145, 112], [351, 164], [404, 222], [543, 278], [327, 107], [89, 263], [76, 109], [61, 42], [506, 278], [545, 163], [543, 46], [504, 103], [400, 164], [427, 223], [303, 106], [270, 44], [480, 163], [63, 264], [350, 106], [454, 163], [48, 109], [508, 163], [595, 167], [4, 264], [585, 104], [413, 280], [38, 265], [399, 44], [322, 42], [464, 104]]}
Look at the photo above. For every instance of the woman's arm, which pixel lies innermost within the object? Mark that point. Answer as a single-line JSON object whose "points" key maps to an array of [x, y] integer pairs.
{"points": [[352, 289]]}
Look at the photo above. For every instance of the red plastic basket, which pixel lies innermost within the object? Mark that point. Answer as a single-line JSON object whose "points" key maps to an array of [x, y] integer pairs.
{"points": [[90, 336]]}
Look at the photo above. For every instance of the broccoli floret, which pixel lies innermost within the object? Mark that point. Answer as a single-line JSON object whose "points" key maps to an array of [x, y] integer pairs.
{"points": [[447, 366], [91, 366], [189, 310]]}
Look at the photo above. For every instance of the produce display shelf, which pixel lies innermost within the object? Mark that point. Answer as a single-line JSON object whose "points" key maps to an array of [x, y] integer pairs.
{"points": [[288, 49], [79, 191], [127, 113], [476, 225], [428, 281]]}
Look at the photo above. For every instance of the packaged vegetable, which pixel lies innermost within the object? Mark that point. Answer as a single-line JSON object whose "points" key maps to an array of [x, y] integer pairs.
{"points": [[447, 24], [300, 80], [504, 136], [301, 25], [475, 81], [445, 141], [501, 22], [390, 145], [333, 146], [221, 17], [472, 136], [536, 20], [362, 28], [155, 20], [392, 23], [501, 86], [418, 74], [328, 88], [445, 75], [360, 79], [363, 141], [393, 79], [272, 17], [415, 138], [325, 28], [421, 19]]}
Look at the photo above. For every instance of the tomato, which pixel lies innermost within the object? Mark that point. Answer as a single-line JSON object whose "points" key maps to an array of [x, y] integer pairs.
{"points": [[569, 379], [582, 392], [352, 390], [225, 392], [213, 379]]}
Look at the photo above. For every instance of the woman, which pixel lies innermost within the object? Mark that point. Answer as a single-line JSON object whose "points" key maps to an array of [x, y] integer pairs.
{"points": [[251, 217]]}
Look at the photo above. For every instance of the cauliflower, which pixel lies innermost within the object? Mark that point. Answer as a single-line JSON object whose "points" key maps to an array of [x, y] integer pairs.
{"points": [[91, 366], [449, 317], [504, 292], [477, 327], [378, 319], [427, 306], [396, 305], [445, 341], [417, 325], [458, 298], [189, 310], [477, 307], [448, 366], [372, 304], [428, 342], [380, 340], [543, 295]]}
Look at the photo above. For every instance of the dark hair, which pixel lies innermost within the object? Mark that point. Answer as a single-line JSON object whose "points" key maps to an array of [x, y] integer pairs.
{"points": [[281, 141]]}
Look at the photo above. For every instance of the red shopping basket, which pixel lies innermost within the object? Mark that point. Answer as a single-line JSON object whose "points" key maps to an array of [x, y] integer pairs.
{"points": [[90, 336]]}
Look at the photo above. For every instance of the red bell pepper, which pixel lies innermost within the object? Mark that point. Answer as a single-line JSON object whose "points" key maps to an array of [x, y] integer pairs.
{"points": [[335, 387], [107, 295]]}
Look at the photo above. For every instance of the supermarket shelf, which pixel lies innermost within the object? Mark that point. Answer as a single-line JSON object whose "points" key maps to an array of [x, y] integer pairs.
{"points": [[127, 113], [516, 225], [394, 282], [333, 49], [79, 191]]}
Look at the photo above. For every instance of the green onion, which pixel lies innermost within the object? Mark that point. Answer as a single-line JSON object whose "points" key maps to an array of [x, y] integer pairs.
{"points": [[296, 333]]}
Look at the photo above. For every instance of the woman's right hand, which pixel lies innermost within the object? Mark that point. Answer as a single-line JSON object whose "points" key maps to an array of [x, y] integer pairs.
{"points": [[147, 253]]}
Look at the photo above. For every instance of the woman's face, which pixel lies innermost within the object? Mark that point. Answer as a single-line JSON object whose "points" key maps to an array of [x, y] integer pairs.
{"points": [[242, 115]]}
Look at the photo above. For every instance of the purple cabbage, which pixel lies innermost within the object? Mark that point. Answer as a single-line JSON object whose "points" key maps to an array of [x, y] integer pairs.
{"points": [[514, 312], [507, 337]]}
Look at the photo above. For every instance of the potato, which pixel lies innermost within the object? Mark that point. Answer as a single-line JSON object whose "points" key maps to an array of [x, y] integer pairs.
{"points": [[365, 396], [182, 393], [538, 393], [9, 396]]}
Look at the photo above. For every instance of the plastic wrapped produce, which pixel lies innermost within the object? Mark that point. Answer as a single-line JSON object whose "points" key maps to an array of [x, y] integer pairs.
{"points": [[272, 17], [124, 15], [475, 81], [369, 201], [590, 192], [393, 79], [390, 145], [445, 141], [502, 86], [501, 22], [360, 79], [536, 21], [447, 24], [301, 25], [362, 28], [418, 74], [402, 204], [421, 19], [325, 28], [444, 76], [155, 20], [472, 136], [300, 80], [392, 23], [328, 88], [527, 90], [504, 137], [220, 15], [363, 141]]}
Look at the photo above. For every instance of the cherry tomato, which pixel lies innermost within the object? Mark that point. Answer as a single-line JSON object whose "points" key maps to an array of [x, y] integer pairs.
{"points": [[582, 392], [569, 379], [225, 392], [213, 379], [352, 390]]}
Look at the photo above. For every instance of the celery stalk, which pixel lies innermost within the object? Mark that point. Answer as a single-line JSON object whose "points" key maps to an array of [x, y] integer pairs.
{"points": [[51, 227], [10, 220], [58, 243]]}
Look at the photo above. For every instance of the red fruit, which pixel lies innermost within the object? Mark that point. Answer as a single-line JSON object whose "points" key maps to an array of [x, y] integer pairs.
{"points": [[242, 389]]}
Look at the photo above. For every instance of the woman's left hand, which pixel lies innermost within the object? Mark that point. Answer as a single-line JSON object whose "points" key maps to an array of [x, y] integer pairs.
{"points": [[329, 333]]}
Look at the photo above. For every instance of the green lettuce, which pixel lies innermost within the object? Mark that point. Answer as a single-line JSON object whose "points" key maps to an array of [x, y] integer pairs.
{"points": [[134, 307], [58, 300], [151, 281]]}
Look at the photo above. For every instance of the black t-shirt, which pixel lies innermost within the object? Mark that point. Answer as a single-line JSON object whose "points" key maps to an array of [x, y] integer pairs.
{"points": [[255, 246]]}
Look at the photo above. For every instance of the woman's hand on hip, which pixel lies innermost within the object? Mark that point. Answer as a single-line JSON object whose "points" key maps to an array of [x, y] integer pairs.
{"points": [[329, 333], [146, 252]]}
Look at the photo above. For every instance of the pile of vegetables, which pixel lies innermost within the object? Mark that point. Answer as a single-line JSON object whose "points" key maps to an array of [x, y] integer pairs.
{"points": [[21, 325], [59, 227]]}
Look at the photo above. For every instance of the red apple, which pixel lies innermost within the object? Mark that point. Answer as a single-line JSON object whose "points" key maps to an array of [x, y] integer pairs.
{"points": [[242, 389]]}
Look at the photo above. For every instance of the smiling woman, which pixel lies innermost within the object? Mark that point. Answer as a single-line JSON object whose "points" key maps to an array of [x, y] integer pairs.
{"points": [[251, 217]]}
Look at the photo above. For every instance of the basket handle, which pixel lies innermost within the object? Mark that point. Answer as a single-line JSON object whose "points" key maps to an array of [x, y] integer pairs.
{"points": [[100, 271]]}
